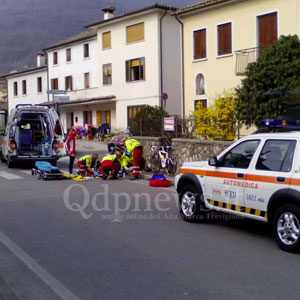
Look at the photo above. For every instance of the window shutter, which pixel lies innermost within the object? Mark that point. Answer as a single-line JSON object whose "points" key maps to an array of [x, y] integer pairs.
{"points": [[99, 118], [224, 39], [135, 63], [267, 30], [135, 33], [200, 44], [107, 113], [106, 40]]}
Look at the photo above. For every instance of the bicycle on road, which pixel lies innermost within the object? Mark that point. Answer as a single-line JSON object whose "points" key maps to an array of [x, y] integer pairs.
{"points": [[162, 159]]}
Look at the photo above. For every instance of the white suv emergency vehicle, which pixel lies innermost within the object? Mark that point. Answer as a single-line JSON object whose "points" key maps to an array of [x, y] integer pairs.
{"points": [[256, 177], [33, 133]]}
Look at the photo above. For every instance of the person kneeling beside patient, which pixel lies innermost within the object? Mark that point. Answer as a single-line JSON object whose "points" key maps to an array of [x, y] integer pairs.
{"points": [[88, 164], [111, 164]]}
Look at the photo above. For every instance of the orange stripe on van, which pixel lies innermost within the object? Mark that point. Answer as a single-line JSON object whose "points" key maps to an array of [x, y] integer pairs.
{"points": [[193, 171], [267, 179], [248, 177]]}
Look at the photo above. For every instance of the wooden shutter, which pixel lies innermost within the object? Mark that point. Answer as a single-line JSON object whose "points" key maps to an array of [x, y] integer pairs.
{"points": [[54, 84], [68, 54], [135, 33], [85, 118], [106, 40], [99, 118], [107, 113], [267, 30], [200, 44], [224, 39]]}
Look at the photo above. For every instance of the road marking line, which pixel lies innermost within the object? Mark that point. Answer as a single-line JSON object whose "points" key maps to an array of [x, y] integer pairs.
{"points": [[28, 172], [46, 277], [7, 175]]}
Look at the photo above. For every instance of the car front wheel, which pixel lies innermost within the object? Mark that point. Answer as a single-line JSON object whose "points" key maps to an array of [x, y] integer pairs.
{"points": [[286, 227], [189, 204]]}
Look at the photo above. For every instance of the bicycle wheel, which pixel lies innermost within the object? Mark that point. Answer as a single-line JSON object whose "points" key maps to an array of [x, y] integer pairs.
{"points": [[155, 163], [171, 165]]}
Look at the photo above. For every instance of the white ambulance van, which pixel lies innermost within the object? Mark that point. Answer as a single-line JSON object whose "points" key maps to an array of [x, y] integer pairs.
{"points": [[33, 133]]}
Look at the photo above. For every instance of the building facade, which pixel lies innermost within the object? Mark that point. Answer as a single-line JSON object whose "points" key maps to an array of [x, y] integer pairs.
{"points": [[139, 60], [27, 87], [220, 38]]}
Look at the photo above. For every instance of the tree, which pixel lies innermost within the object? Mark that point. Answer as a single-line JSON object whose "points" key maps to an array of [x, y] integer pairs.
{"points": [[271, 83], [218, 121], [148, 121]]}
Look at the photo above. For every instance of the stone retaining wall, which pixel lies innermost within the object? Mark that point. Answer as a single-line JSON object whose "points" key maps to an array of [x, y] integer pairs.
{"points": [[185, 149]]}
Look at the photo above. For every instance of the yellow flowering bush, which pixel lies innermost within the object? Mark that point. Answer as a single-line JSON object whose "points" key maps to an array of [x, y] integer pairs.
{"points": [[218, 121]]}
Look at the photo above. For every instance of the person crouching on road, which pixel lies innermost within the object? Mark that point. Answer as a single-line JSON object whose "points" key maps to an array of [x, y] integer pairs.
{"points": [[111, 164], [70, 147], [134, 152], [88, 164]]}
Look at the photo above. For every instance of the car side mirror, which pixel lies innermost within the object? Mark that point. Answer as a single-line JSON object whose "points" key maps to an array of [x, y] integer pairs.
{"points": [[213, 161]]}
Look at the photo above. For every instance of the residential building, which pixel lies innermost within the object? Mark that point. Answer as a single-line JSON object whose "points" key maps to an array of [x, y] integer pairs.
{"points": [[28, 86], [220, 38], [139, 60], [108, 72], [73, 67]]}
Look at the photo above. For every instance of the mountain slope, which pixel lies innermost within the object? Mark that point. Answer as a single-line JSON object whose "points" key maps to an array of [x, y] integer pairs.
{"points": [[27, 26]]}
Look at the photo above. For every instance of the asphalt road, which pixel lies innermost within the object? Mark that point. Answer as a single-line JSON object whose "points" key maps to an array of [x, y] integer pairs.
{"points": [[125, 240]]}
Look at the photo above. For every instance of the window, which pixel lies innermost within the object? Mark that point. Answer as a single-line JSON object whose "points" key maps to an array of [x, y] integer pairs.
{"points": [[135, 33], [87, 117], [24, 87], [107, 74], [86, 50], [224, 39], [55, 58], [15, 88], [135, 69], [267, 30], [86, 80], [200, 84], [103, 116], [54, 84], [106, 40], [241, 155], [39, 85], [132, 111], [276, 155], [68, 83], [200, 44], [202, 102], [68, 55]]}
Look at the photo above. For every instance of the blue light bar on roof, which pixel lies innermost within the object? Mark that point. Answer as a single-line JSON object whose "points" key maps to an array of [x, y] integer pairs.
{"points": [[21, 105], [279, 123]]}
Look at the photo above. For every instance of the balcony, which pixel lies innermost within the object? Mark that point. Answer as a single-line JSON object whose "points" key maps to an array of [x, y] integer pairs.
{"points": [[243, 58]]}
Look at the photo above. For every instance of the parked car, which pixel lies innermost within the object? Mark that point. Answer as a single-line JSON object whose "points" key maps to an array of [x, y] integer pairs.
{"points": [[257, 177], [33, 133]]}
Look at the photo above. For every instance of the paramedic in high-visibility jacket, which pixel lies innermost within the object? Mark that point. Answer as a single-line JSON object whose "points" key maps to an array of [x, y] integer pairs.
{"points": [[111, 164], [88, 164], [134, 152]]}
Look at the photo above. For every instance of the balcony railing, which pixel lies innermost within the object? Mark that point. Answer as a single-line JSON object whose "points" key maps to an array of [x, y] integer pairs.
{"points": [[243, 58]]}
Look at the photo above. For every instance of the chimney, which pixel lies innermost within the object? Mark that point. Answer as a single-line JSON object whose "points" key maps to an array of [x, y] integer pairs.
{"points": [[108, 12], [41, 59]]}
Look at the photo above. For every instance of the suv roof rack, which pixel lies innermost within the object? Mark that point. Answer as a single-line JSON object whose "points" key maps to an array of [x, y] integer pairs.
{"points": [[27, 104]]}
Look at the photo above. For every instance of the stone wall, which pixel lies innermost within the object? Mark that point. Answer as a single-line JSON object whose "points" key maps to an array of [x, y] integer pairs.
{"points": [[185, 149]]}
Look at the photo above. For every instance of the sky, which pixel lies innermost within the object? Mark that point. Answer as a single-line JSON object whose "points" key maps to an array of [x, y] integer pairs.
{"points": [[27, 26]]}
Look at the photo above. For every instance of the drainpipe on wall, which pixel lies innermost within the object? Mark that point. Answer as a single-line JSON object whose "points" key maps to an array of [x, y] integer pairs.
{"points": [[161, 65], [182, 62], [47, 75]]}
